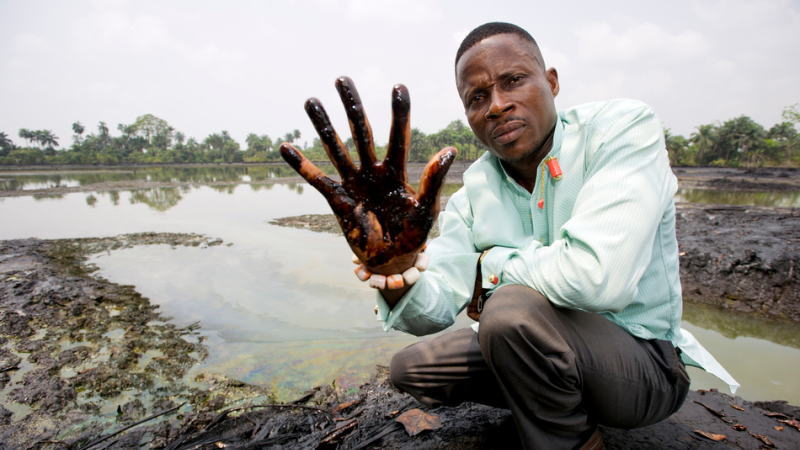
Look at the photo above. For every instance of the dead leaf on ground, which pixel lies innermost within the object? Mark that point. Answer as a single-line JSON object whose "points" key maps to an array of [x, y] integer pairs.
{"points": [[765, 440], [794, 423], [712, 436], [777, 428], [416, 421], [737, 407], [739, 427], [776, 415]]}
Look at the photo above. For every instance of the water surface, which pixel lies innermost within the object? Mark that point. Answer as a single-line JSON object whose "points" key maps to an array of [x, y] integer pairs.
{"points": [[280, 306]]}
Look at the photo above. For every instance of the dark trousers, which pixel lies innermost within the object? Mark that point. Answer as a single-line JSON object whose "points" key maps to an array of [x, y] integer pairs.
{"points": [[561, 372]]}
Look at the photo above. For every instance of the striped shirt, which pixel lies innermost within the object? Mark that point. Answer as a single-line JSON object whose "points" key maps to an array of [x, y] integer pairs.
{"points": [[601, 238]]}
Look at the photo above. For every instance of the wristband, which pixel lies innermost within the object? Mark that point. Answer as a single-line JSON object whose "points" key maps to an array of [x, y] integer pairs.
{"points": [[394, 281]]}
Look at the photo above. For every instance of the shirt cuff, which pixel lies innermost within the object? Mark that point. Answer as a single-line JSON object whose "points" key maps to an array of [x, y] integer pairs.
{"points": [[389, 316], [492, 266]]}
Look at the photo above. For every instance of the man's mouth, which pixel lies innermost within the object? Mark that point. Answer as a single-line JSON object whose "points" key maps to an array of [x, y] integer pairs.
{"points": [[508, 132]]}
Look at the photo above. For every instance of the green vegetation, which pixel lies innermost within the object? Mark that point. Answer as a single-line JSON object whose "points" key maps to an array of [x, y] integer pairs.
{"points": [[150, 140], [739, 142]]}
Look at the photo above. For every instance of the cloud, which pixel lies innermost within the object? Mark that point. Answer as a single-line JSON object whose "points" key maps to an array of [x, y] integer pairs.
{"points": [[408, 11], [206, 66], [607, 43]]}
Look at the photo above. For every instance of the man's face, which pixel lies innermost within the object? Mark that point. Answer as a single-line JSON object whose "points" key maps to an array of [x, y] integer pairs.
{"points": [[508, 96]]}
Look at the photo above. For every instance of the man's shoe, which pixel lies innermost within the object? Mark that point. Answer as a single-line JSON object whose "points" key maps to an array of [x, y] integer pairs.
{"points": [[595, 442]]}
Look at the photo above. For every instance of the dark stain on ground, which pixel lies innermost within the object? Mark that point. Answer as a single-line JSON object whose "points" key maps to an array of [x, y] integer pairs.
{"points": [[80, 355]]}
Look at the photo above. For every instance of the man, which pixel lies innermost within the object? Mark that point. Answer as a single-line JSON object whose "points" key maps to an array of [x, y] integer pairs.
{"points": [[564, 235]]}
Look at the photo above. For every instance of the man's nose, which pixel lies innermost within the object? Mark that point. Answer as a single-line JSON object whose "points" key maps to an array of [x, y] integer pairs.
{"points": [[499, 105]]}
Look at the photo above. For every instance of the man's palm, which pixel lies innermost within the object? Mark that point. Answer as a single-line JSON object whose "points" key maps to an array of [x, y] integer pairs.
{"points": [[383, 219]]}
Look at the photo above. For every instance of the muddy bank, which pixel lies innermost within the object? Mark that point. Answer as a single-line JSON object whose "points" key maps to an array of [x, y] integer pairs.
{"points": [[735, 179], [80, 356], [369, 419], [740, 258]]}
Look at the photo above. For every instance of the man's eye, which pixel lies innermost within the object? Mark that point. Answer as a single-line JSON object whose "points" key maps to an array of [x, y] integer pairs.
{"points": [[516, 79], [475, 99]]}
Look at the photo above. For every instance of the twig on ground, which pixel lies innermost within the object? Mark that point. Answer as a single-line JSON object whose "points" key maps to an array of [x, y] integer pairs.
{"points": [[225, 413], [722, 416], [123, 429], [7, 368]]}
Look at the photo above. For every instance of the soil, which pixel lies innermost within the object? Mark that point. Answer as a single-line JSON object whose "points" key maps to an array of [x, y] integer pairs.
{"points": [[741, 258], [80, 355], [86, 363], [367, 419]]}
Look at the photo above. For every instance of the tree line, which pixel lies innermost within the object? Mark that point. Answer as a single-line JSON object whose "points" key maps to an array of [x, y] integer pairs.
{"points": [[738, 142]]}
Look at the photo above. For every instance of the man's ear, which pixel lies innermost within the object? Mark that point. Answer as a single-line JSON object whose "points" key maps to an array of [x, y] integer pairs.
{"points": [[552, 79]]}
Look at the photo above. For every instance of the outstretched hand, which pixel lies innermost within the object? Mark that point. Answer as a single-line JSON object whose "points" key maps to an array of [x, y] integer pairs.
{"points": [[383, 219]]}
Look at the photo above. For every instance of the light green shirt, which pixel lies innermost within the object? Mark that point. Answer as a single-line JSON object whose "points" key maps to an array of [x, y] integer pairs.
{"points": [[604, 240]]}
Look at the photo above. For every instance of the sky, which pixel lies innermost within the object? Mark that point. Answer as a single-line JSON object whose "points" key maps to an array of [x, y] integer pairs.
{"points": [[248, 66]]}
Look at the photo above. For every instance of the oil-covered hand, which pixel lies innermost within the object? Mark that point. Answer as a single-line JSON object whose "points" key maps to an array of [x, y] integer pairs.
{"points": [[383, 219]]}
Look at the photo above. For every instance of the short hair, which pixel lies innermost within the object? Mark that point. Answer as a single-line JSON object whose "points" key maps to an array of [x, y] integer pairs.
{"points": [[490, 29]]}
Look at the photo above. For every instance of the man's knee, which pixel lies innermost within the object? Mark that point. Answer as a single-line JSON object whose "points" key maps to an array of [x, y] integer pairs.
{"points": [[405, 377], [509, 310], [398, 369]]}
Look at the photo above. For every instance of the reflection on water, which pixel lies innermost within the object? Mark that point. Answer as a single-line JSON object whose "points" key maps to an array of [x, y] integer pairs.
{"points": [[787, 199], [163, 198], [160, 199], [763, 355], [280, 309], [224, 179], [732, 325], [30, 180]]}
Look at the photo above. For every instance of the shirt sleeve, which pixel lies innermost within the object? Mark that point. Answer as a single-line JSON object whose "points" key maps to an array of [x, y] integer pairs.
{"points": [[443, 290], [600, 253]]}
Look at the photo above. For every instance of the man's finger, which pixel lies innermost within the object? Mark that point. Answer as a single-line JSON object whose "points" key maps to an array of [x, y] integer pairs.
{"points": [[368, 236], [400, 135], [330, 140], [430, 184], [359, 125], [313, 174]]}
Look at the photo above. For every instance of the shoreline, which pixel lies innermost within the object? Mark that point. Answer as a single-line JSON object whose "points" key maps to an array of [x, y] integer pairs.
{"points": [[732, 179], [82, 357]]}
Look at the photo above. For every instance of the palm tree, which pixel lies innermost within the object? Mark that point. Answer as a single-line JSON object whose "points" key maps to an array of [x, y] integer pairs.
{"points": [[78, 129], [28, 135], [705, 138], [47, 139], [5, 144]]}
